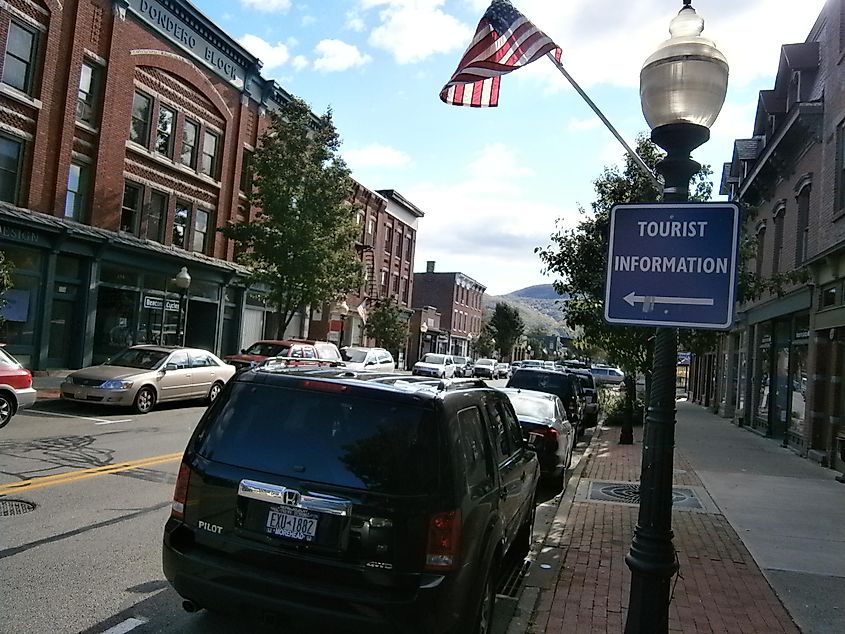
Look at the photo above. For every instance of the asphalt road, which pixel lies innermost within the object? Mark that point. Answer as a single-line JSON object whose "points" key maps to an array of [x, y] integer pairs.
{"points": [[87, 558]]}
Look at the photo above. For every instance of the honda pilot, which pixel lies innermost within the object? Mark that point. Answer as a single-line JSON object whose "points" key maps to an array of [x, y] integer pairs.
{"points": [[351, 500]]}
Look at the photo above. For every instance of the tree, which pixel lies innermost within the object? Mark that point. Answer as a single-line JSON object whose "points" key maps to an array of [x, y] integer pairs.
{"points": [[507, 327], [576, 256], [387, 325], [6, 270], [301, 244], [483, 345]]}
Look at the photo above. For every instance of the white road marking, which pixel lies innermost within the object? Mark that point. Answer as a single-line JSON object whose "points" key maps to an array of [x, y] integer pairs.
{"points": [[98, 421], [126, 626]]}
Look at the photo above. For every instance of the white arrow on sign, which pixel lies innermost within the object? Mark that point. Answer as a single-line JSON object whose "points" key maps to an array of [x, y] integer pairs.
{"points": [[632, 298]]}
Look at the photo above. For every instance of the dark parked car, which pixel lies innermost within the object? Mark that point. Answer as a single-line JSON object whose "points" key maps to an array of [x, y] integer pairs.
{"points": [[545, 429], [591, 397], [361, 501], [561, 384]]}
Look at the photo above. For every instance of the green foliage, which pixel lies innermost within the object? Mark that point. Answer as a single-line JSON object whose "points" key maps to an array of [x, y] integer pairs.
{"points": [[388, 325], [578, 258], [507, 327], [6, 270], [483, 345], [301, 244]]}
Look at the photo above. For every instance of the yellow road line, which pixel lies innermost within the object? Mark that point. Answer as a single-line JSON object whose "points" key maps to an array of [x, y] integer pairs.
{"points": [[83, 474]]}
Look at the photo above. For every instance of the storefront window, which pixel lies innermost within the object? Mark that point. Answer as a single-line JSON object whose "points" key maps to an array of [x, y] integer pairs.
{"points": [[18, 327], [114, 275], [116, 310], [741, 375], [762, 369]]}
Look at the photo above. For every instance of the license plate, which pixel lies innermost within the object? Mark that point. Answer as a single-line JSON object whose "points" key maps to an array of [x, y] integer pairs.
{"points": [[293, 523]]}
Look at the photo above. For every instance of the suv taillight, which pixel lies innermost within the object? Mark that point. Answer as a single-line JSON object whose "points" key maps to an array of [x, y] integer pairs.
{"points": [[180, 494], [444, 539], [551, 433]]}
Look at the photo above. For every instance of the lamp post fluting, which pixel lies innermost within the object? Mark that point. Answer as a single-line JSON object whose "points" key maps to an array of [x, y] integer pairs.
{"points": [[682, 89]]}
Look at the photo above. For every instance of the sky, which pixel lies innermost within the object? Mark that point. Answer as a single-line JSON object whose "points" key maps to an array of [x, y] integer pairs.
{"points": [[495, 183]]}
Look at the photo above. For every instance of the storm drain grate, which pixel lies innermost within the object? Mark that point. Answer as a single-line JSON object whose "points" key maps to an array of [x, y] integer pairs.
{"points": [[15, 507], [511, 582], [629, 493]]}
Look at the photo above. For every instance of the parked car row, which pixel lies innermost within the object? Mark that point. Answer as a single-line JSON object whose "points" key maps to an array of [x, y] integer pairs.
{"points": [[16, 391]]}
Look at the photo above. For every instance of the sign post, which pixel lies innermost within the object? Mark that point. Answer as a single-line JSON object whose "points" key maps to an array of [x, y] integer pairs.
{"points": [[673, 264]]}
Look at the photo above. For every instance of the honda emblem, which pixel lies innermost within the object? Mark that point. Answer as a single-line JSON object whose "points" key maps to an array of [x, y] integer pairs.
{"points": [[291, 497]]}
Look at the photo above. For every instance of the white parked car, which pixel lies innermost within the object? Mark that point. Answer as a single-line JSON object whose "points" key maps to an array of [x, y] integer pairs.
{"points": [[359, 358], [603, 375], [441, 366]]}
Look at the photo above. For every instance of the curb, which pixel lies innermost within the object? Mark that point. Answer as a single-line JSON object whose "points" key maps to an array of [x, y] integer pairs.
{"points": [[545, 555]]}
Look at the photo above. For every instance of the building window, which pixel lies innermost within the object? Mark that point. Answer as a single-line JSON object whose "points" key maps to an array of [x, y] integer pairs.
{"points": [[189, 143], [246, 172], [388, 238], [761, 246], [359, 217], [11, 153], [371, 226], [164, 131], [140, 130], [408, 248], [384, 282], [840, 167], [777, 248], [131, 210], [828, 297], [198, 239], [157, 216], [209, 154], [180, 223], [77, 184], [802, 242], [20, 57], [406, 285], [396, 285], [86, 102]]}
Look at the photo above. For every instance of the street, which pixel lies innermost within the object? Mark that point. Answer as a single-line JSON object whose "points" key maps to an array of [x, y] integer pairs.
{"points": [[87, 557]]}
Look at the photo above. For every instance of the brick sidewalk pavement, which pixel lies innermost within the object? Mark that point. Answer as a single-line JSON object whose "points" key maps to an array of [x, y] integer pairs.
{"points": [[720, 588]]}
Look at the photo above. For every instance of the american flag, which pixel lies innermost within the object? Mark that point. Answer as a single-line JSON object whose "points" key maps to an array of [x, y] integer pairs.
{"points": [[504, 41]]}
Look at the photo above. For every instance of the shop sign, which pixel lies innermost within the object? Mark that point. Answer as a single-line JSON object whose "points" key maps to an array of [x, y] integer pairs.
{"points": [[154, 13], [154, 303], [802, 334], [19, 234]]}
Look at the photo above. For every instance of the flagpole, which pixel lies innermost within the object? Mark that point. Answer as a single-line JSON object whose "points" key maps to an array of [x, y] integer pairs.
{"points": [[640, 163]]}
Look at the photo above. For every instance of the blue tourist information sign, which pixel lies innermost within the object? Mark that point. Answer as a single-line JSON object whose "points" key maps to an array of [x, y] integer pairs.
{"points": [[672, 264]]}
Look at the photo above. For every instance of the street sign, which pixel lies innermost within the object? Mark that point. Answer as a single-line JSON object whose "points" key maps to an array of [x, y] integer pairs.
{"points": [[672, 264]]}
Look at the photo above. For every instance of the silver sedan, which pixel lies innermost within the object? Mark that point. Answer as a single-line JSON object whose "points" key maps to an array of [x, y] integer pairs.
{"points": [[141, 376]]}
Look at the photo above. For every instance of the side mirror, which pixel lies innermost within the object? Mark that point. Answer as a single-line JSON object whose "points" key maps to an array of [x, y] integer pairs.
{"points": [[243, 350], [170, 366], [370, 363]]}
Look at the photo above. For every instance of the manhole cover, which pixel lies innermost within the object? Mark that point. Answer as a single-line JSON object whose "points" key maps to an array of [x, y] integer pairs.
{"points": [[629, 493], [15, 507]]}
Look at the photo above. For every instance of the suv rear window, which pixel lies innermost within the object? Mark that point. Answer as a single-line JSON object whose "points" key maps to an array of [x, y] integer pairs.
{"points": [[552, 382], [327, 437]]}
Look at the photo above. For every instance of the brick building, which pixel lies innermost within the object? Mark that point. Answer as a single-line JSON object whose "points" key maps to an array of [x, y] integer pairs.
{"points": [[458, 299], [126, 131], [780, 371], [387, 242]]}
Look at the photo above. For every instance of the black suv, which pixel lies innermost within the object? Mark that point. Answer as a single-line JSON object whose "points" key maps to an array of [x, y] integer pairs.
{"points": [[561, 384], [591, 396], [360, 500]]}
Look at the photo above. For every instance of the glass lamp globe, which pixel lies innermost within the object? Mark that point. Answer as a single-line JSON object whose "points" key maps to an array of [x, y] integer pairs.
{"points": [[685, 80], [182, 279]]}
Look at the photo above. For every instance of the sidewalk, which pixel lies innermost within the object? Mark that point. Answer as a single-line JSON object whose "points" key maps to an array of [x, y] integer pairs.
{"points": [[760, 535], [48, 384]]}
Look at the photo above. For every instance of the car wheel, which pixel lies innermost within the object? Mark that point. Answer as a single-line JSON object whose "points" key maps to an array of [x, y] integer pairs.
{"points": [[145, 400], [7, 409], [484, 614], [214, 392]]}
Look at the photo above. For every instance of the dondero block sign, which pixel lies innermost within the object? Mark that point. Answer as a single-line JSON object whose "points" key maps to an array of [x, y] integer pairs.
{"points": [[673, 264]]}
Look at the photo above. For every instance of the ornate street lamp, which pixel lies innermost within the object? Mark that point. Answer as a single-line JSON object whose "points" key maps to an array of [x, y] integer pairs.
{"points": [[343, 310], [682, 89], [182, 282]]}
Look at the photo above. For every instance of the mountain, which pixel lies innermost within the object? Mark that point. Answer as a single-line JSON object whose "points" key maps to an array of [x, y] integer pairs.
{"points": [[540, 307]]}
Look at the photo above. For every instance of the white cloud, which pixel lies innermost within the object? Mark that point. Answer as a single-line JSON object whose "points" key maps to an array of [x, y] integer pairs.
{"points": [[579, 125], [308, 20], [376, 155], [354, 22], [336, 55], [272, 55], [413, 30], [299, 62], [267, 6]]}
